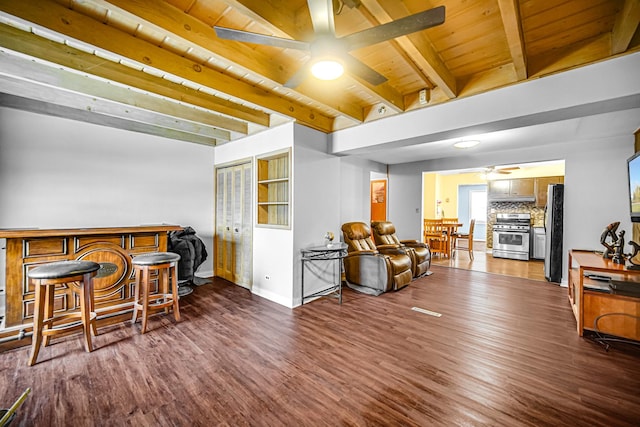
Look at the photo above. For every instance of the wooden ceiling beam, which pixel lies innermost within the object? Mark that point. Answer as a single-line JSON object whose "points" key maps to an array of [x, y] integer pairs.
{"points": [[66, 56], [416, 46], [53, 16], [137, 118], [170, 114], [625, 26], [56, 110], [510, 13], [284, 21]]}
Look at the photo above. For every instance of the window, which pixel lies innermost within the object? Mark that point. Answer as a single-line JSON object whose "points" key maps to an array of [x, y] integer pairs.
{"points": [[478, 205]]}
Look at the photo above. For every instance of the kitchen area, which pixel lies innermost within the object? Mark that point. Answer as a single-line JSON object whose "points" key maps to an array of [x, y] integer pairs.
{"points": [[525, 219], [514, 239]]}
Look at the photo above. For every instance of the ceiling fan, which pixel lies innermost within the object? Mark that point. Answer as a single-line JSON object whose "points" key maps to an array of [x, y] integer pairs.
{"points": [[505, 171], [327, 47]]}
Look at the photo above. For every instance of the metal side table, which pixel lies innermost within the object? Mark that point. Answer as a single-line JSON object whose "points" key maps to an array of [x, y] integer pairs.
{"points": [[336, 252]]}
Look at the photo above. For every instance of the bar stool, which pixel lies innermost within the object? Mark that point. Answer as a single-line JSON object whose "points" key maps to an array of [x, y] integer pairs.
{"points": [[44, 279], [166, 264]]}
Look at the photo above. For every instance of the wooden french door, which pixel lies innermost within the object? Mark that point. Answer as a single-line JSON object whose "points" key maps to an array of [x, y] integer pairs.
{"points": [[234, 227]]}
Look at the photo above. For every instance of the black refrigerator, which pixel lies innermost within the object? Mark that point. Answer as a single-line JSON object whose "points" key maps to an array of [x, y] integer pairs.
{"points": [[553, 231]]}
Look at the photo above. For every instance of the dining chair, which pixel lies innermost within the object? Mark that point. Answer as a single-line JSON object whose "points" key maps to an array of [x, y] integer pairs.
{"points": [[435, 236], [462, 238]]}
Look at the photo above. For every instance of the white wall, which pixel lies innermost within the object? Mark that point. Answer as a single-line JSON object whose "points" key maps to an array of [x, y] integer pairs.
{"points": [[59, 173], [272, 247], [317, 210], [355, 178]]}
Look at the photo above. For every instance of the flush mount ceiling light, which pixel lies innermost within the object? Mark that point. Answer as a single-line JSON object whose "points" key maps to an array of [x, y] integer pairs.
{"points": [[327, 69], [466, 144]]}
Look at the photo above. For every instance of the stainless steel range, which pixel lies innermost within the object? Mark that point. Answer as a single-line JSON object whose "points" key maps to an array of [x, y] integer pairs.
{"points": [[511, 236]]}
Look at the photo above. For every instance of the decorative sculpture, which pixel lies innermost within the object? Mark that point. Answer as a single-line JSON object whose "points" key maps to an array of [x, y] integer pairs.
{"points": [[618, 248], [615, 248], [328, 239], [609, 232]]}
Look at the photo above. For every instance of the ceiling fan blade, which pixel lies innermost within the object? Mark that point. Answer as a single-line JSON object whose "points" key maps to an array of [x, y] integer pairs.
{"points": [[299, 76], [322, 16], [390, 30], [244, 36], [358, 68]]}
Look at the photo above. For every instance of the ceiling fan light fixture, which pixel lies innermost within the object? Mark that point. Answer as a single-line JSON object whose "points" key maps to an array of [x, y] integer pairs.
{"points": [[327, 69], [466, 143]]}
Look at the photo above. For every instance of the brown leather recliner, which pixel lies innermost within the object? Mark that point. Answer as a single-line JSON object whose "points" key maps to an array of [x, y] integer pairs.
{"points": [[382, 268], [384, 233]]}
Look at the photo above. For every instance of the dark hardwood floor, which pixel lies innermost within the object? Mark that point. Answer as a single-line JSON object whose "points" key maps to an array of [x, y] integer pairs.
{"points": [[505, 352]]}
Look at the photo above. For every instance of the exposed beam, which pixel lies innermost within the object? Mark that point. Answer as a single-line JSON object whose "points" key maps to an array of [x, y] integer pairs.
{"points": [[418, 47], [625, 26], [38, 47], [170, 114], [51, 15], [511, 20], [52, 101], [285, 21]]}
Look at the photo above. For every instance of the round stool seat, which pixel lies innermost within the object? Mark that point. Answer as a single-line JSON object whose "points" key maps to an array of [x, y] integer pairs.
{"points": [[60, 269], [165, 265], [46, 323], [155, 258]]}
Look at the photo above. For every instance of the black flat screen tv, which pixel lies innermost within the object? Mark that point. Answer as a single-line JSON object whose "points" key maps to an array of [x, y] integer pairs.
{"points": [[633, 164]]}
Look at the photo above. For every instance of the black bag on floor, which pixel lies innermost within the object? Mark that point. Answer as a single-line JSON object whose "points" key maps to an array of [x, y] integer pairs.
{"points": [[191, 250]]}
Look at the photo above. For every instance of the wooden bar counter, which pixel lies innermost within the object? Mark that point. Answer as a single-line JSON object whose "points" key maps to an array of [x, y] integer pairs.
{"points": [[111, 247]]}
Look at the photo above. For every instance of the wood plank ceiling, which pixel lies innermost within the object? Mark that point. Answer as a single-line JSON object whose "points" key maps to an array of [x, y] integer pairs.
{"points": [[158, 66]]}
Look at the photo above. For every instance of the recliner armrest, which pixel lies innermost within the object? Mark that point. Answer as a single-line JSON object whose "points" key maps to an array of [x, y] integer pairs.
{"points": [[414, 244], [364, 252], [392, 249]]}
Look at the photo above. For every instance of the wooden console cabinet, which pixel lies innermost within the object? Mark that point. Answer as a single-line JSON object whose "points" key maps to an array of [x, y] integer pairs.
{"points": [[112, 248], [590, 299]]}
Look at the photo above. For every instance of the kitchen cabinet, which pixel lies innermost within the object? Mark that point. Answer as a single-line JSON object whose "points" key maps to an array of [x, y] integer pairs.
{"points": [[541, 184], [521, 189]]}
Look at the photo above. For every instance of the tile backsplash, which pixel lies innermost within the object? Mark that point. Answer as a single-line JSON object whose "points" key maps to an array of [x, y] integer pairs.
{"points": [[494, 208]]}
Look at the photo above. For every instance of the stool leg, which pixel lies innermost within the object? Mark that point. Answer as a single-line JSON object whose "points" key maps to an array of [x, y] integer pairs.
{"points": [[49, 302], [164, 279], [38, 314], [145, 298], [136, 296], [92, 307], [174, 289], [85, 313]]}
